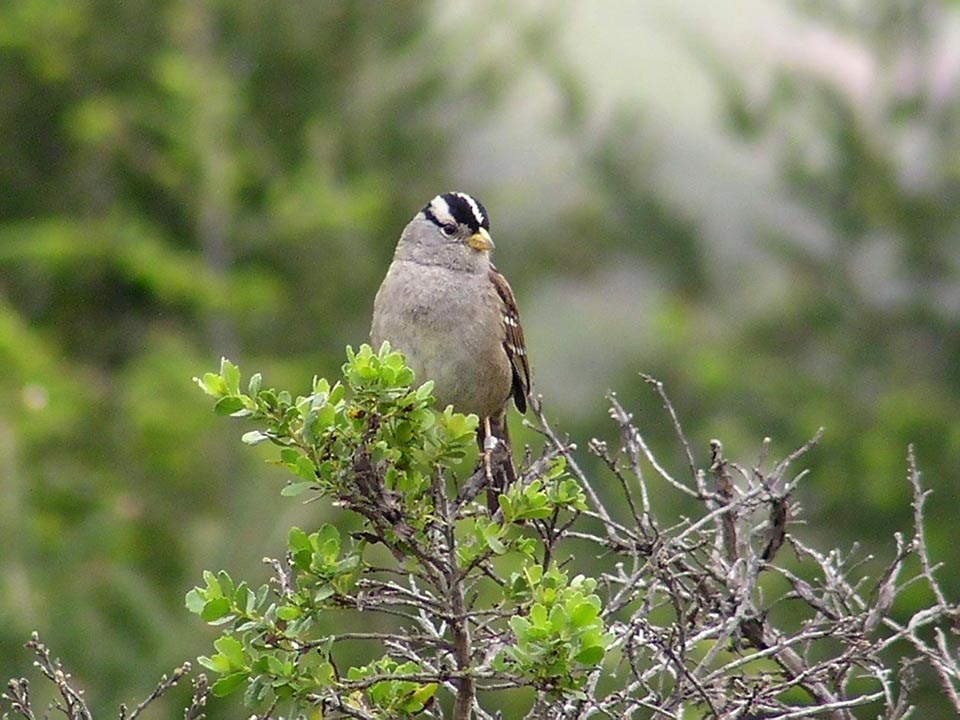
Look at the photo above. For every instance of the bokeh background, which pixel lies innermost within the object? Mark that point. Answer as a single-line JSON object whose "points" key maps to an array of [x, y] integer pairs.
{"points": [[757, 202]]}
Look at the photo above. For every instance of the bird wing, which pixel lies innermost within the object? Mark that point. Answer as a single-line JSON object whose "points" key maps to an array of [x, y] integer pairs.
{"points": [[513, 342]]}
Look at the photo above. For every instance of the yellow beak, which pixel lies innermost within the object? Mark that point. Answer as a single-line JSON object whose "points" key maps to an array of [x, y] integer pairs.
{"points": [[481, 241]]}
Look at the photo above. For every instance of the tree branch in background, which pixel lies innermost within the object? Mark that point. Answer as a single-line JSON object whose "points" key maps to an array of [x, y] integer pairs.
{"points": [[71, 703]]}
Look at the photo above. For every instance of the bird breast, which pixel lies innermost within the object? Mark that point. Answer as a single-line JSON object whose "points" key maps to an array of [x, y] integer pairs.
{"points": [[441, 319]]}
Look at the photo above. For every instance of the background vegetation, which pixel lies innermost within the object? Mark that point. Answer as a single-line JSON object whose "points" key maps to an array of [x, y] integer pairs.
{"points": [[772, 233]]}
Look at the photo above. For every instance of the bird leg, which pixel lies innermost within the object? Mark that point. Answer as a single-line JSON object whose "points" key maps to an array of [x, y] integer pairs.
{"points": [[490, 443]]}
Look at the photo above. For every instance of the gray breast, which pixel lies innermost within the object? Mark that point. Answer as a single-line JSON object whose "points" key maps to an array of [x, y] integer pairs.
{"points": [[447, 324]]}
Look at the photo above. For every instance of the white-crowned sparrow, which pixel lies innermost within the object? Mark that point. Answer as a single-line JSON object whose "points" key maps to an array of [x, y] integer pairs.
{"points": [[454, 316]]}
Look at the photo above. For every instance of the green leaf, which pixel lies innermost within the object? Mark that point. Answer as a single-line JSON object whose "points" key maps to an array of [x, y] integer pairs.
{"points": [[218, 663], [590, 655], [324, 674], [229, 684], [423, 694], [533, 574], [243, 597], [328, 535], [559, 619], [254, 437], [213, 585], [226, 583], [538, 614], [557, 468], [254, 386], [212, 384], [491, 537], [232, 649], [388, 376], [525, 545], [228, 405], [304, 468], [325, 417], [298, 540], [294, 489], [215, 609], [425, 391], [289, 612], [262, 594], [425, 418], [583, 615], [231, 376], [194, 601], [269, 398], [520, 625]]}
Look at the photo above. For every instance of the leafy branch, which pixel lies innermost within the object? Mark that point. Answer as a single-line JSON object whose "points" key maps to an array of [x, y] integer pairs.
{"points": [[725, 610], [376, 447]]}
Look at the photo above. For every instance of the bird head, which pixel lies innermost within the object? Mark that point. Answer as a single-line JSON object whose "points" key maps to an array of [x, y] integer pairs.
{"points": [[452, 230]]}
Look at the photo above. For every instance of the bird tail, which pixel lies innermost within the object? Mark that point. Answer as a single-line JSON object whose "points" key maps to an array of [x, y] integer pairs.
{"points": [[502, 470]]}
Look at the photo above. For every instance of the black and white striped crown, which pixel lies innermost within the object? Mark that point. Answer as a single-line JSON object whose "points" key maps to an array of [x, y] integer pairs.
{"points": [[459, 209]]}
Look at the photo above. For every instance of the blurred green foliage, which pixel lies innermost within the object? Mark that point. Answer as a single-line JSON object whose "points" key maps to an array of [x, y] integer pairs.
{"points": [[186, 179], [864, 336]]}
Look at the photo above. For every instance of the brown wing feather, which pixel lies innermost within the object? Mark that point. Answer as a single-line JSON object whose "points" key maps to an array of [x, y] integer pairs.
{"points": [[513, 342]]}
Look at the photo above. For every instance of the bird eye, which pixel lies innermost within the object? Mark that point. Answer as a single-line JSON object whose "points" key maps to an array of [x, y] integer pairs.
{"points": [[448, 229]]}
